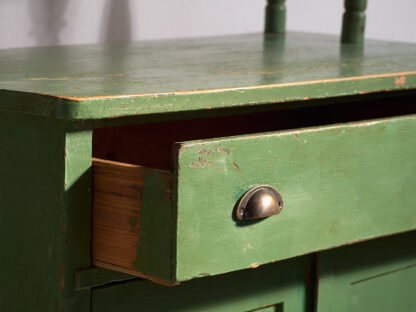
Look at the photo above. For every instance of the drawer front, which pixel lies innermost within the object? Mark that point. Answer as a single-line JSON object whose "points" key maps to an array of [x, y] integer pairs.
{"points": [[277, 287], [339, 184]]}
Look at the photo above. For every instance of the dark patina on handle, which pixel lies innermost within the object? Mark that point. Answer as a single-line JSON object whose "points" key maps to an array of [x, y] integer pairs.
{"points": [[259, 202]]}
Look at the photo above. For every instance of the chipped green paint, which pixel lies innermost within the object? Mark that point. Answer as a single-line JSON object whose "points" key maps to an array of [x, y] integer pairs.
{"points": [[222, 74], [45, 168], [336, 182]]}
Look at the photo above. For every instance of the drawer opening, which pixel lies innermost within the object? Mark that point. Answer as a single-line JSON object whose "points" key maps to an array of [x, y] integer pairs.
{"points": [[151, 144], [135, 218]]}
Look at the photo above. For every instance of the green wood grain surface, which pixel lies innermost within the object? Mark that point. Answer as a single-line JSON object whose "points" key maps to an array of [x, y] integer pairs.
{"points": [[339, 183], [286, 282], [378, 275], [102, 81]]}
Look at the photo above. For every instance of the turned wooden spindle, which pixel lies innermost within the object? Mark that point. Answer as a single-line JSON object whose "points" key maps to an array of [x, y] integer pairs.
{"points": [[353, 22], [275, 17]]}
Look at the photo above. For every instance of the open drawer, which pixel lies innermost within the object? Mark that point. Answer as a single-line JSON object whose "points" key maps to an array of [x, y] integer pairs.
{"points": [[340, 184]]}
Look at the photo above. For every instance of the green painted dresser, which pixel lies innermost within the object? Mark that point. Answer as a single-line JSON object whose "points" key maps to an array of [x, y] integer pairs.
{"points": [[128, 172]]}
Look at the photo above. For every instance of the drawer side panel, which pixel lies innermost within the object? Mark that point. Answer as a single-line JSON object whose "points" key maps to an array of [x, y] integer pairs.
{"points": [[132, 220]]}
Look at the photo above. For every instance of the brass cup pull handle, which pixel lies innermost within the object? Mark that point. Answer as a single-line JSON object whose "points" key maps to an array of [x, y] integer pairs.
{"points": [[259, 202]]}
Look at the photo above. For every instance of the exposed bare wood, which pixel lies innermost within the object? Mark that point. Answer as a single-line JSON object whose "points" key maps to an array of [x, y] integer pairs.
{"points": [[116, 214]]}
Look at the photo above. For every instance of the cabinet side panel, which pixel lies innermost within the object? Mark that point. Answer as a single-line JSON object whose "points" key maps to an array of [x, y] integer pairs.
{"points": [[31, 213]]}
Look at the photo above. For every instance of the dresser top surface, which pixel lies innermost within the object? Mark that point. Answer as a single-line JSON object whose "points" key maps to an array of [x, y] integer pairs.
{"points": [[112, 80]]}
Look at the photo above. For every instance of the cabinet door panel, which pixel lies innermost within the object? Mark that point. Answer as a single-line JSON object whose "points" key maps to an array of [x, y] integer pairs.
{"points": [[378, 275], [277, 287]]}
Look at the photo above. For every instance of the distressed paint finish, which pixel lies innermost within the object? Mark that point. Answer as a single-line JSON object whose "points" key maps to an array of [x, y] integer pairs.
{"points": [[378, 275], [339, 184], [103, 81], [356, 183], [284, 282]]}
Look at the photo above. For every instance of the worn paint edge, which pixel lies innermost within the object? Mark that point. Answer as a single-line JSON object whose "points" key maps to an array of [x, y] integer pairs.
{"points": [[72, 108], [267, 86]]}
